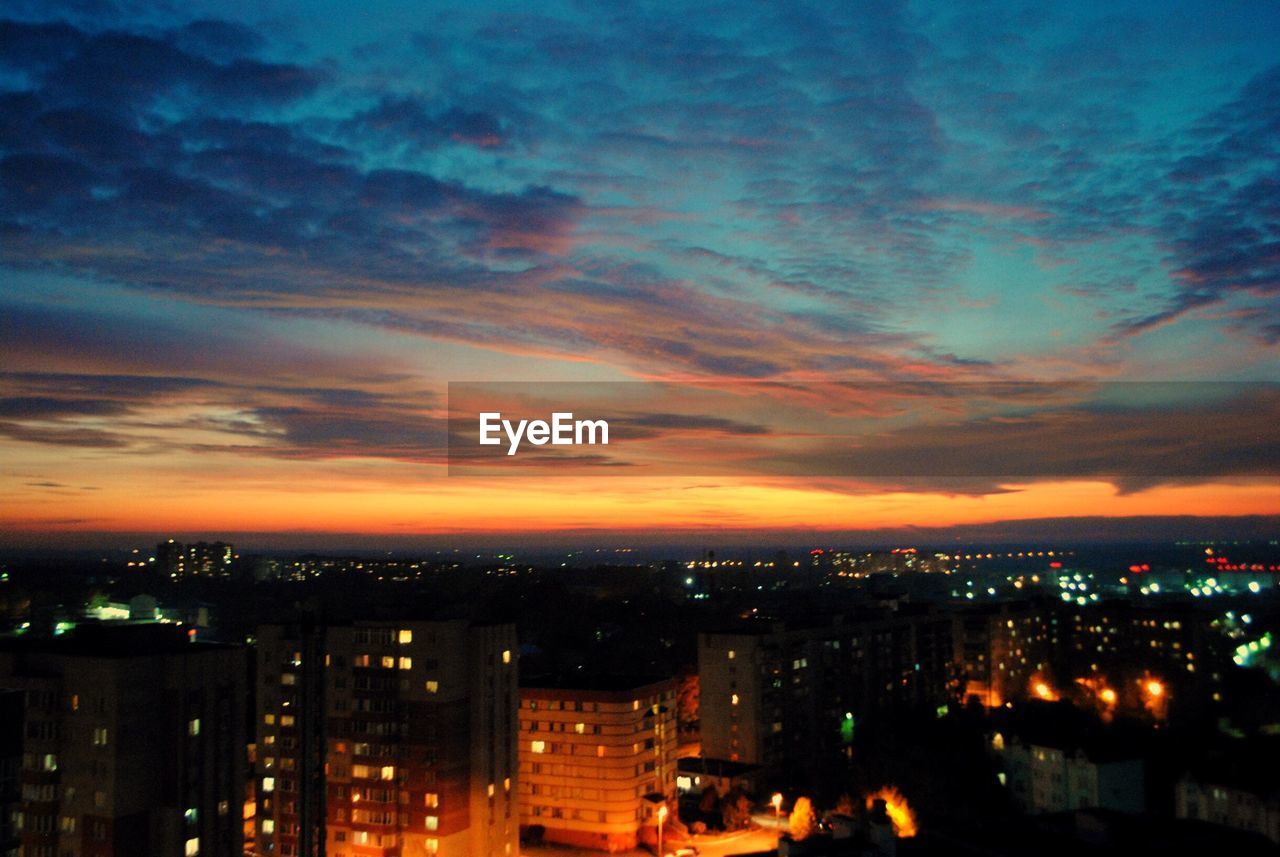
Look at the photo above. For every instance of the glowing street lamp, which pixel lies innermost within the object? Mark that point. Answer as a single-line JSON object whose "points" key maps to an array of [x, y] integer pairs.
{"points": [[776, 800], [662, 816]]}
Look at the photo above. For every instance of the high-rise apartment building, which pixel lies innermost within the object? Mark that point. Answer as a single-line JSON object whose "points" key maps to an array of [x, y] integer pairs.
{"points": [[1002, 646], [12, 721], [597, 759], [790, 697], [133, 743], [395, 739], [198, 559]]}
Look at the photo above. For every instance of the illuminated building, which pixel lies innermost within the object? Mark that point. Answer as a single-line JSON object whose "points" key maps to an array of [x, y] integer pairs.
{"points": [[787, 696], [133, 745], [200, 559], [1107, 651], [1002, 646], [387, 738], [1166, 637], [596, 759], [696, 773]]}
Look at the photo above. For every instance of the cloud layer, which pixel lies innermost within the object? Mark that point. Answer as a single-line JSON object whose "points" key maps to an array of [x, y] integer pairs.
{"points": [[275, 238]]}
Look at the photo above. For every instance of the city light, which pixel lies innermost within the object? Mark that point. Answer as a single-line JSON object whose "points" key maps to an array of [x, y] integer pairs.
{"points": [[898, 810]]}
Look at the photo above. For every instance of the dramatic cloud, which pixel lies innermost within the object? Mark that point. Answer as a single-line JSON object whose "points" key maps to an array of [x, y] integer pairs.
{"points": [[271, 238]]}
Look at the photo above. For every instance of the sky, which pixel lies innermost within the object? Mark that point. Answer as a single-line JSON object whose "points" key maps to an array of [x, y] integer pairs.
{"points": [[245, 248]]}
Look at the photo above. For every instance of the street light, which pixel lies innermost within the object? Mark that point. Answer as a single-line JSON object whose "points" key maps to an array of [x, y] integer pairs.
{"points": [[777, 811], [662, 816]]}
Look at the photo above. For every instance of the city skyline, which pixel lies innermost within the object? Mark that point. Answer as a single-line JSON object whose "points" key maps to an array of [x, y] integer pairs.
{"points": [[247, 248]]}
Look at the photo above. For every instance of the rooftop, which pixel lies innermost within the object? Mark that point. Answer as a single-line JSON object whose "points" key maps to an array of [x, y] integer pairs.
{"points": [[111, 641]]}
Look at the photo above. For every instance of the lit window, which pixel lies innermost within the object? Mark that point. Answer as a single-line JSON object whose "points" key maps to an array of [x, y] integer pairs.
{"points": [[406, 636], [491, 789], [432, 800], [433, 846], [286, 720], [288, 678], [734, 699], [193, 726], [193, 846], [100, 736], [268, 825], [360, 772], [269, 719], [389, 772], [506, 784], [406, 663], [538, 746], [580, 728], [433, 822], [268, 784], [732, 654], [388, 662], [506, 656], [433, 687]]}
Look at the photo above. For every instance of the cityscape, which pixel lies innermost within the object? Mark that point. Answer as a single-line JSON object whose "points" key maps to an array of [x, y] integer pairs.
{"points": [[1019, 699], [768, 429]]}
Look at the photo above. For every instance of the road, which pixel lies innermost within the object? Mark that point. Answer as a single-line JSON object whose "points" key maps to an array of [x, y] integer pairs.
{"points": [[746, 842]]}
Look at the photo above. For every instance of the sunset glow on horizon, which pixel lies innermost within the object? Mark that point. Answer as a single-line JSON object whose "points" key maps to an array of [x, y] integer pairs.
{"points": [[247, 248]]}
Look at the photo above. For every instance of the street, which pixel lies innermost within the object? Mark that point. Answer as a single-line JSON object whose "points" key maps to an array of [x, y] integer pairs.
{"points": [[751, 841]]}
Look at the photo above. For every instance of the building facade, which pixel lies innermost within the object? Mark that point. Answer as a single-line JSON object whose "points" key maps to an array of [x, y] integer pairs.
{"points": [[395, 739], [12, 726], [596, 760], [1248, 809], [1043, 779], [791, 697], [133, 743], [1002, 646], [198, 559]]}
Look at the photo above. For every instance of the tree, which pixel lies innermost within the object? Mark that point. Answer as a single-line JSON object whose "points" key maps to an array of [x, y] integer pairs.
{"points": [[688, 703], [709, 802], [735, 809], [802, 819]]}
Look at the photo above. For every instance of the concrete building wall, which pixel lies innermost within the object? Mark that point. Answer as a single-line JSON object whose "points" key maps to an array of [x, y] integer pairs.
{"points": [[416, 732], [1047, 779], [1239, 809], [589, 758], [139, 751], [791, 698]]}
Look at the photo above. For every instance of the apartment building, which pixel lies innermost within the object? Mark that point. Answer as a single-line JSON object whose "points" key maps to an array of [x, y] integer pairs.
{"points": [[789, 696], [596, 759], [387, 738], [133, 743]]}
